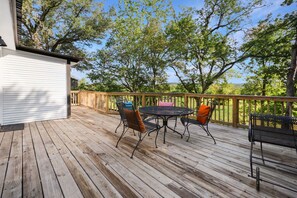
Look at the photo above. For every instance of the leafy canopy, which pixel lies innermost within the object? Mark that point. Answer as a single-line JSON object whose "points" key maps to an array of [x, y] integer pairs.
{"points": [[202, 42], [134, 55], [63, 26]]}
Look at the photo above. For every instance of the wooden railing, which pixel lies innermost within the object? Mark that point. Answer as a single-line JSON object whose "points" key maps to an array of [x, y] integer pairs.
{"points": [[74, 98], [231, 109]]}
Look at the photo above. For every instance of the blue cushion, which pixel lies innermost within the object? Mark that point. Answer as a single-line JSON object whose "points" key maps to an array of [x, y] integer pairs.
{"points": [[128, 105]]}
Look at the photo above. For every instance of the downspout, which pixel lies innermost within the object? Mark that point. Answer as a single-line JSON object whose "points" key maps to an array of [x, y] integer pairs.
{"points": [[68, 87], [1, 89]]}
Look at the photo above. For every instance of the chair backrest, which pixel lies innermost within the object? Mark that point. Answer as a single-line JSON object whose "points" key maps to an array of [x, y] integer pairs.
{"points": [[273, 129], [213, 105], [121, 106], [166, 101], [134, 120]]}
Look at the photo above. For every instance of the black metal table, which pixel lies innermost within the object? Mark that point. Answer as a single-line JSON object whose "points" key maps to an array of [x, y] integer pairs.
{"points": [[165, 113]]}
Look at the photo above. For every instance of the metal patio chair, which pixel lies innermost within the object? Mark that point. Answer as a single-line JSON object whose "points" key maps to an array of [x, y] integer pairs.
{"points": [[202, 120], [134, 121]]}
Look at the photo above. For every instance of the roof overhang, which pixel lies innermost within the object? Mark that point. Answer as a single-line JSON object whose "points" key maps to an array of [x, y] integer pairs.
{"points": [[47, 53]]}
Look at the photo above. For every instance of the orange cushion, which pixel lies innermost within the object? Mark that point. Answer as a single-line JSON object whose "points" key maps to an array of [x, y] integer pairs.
{"points": [[134, 120], [140, 122], [203, 113]]}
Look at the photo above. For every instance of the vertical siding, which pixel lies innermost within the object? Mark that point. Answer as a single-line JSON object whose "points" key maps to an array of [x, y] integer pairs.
{"points": [[34, 88]]}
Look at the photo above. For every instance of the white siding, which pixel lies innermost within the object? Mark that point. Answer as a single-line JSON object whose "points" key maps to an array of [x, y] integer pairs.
{"points": [[33, 88]]}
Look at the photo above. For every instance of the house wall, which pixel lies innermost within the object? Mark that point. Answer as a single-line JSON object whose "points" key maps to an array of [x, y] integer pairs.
{"points": [[6, 23], [33, 87]]}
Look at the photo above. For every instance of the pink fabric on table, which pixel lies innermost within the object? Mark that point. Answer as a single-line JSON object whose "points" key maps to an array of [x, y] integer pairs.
{"points": [[166, 104]]}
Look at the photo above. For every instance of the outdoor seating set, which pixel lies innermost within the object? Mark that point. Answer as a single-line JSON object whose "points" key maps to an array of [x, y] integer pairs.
{"points": [[148, 122], [271, 129]]}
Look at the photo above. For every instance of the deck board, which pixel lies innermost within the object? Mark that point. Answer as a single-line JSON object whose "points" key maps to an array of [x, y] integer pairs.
{"points": [[76, 157], [13, 180], [50, 184], [31, 179], [5, 149]]}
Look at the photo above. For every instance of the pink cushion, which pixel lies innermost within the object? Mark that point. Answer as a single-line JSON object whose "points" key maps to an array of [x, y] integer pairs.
{"points": [[166, 104]]}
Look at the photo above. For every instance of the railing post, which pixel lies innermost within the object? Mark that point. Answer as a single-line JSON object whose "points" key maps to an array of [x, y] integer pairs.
{"points": [[95, 102], [143, 100], [78, 98], [186, 100], [235, 116], [107, 103]]}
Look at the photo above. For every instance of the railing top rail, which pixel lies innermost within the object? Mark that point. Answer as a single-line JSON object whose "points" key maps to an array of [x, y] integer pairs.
{"points": [[250, 97], [221, 96], [147, 94]]}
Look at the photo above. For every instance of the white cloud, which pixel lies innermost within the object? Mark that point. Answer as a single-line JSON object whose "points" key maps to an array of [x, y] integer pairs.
{"points": [[271, 7]]}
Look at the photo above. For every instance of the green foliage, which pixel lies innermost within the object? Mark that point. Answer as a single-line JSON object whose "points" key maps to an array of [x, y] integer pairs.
{"points": [[82, 84], [63, 26], [255, 86], [133, 56], [146, 37], [222, 86], [202, 45]]}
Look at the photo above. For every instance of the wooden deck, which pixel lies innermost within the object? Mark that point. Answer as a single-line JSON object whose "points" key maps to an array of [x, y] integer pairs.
{"points": [[77, 157]]}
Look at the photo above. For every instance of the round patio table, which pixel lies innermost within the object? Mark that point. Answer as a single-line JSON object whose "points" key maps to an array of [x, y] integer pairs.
{"points": [[165, 113]]}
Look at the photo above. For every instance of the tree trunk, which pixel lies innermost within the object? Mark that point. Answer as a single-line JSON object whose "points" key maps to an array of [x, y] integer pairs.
{"points": [[290, 79], [264, 83]]}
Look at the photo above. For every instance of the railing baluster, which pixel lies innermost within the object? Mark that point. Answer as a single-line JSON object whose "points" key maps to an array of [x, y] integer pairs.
{"points": [[228, 110], [224, 101], [243, 111]]}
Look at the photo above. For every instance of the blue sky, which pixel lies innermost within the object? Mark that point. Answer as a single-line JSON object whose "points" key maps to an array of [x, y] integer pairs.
{"points": [[272, 6]]}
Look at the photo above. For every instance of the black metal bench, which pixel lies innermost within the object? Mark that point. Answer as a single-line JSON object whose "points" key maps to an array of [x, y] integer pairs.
{"points": [[271, 129]]}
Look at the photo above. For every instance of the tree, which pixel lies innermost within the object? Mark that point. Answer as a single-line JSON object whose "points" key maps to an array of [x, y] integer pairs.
{"points": [[102, 74], [202, 43], [268, 58], [63, 26], [82, 84], [134, 53], [274, 41]]}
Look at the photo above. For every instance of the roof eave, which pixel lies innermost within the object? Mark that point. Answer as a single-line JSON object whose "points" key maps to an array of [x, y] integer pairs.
{"points": [[47, 53]]}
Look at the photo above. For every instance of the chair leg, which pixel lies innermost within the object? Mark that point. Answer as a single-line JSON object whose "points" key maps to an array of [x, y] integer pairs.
{"points": [[156, 138], [204, 129], [210, 134], [139, 141], [184, 124], [185, 130], [123, 133], [175, 123], [257, 178], [188, 133], [118, 126], [207, 132], [262, 153], [251, 160]]}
